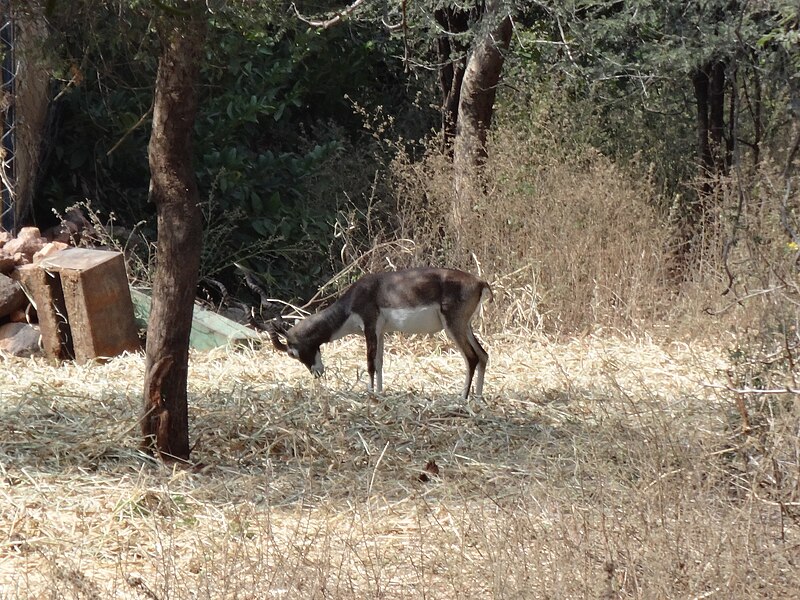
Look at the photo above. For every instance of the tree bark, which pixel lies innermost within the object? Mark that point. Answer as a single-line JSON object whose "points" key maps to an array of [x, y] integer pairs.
{"points": [[452, 56], [476, 105], [700, 81], [173, 189], [713, 155], [716, 109]]}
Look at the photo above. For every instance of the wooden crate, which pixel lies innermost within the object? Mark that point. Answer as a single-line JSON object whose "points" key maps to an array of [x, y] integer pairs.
{"points": [[95, 300]]}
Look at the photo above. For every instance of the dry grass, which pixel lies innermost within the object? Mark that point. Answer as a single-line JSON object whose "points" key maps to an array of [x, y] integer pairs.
{"points": [[597, 467], [570, 241]]}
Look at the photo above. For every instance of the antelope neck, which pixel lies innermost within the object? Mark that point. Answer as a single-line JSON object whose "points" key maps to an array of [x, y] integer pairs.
{"points": [[325, 325]]}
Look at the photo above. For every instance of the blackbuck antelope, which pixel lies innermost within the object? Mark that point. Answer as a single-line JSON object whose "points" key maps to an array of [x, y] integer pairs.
{"points": [[423, 300]]}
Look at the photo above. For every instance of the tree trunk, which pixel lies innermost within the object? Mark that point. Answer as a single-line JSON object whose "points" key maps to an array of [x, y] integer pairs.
{"points": [[700, 80], [713, 150], [716, 109], [756, 110], [475, 107], [713, 155], [452, 57], [173, 189]]}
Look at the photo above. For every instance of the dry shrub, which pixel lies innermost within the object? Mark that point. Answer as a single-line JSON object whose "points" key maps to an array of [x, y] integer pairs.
{"points": [[745, 263], [570, 242], [745, 281], [759, 262]]}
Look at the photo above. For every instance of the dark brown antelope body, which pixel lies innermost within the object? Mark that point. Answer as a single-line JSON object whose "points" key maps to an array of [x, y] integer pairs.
{"points": [[424, 300]]}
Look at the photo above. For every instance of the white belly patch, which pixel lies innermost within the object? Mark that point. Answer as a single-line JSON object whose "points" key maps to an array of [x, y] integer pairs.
{"points": [[353, 324], [420, 319]]}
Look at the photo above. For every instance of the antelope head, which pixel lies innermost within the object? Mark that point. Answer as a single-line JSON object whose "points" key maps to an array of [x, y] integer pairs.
{"points": [[290, 339]]}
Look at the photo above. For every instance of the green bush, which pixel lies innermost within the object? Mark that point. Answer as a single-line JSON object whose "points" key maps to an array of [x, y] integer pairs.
{"points": [[278, 148]]}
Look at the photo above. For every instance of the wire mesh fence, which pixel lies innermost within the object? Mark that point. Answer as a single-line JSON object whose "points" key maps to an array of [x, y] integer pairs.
{"points": [[8, 73]]}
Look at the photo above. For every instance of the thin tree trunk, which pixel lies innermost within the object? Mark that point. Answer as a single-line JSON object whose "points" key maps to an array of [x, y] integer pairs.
{"points": [[716, 98], [173, 189], [700, 80], [476, 105], [709, 93], [757, 117], [713, 156], [692, 211], [452, 57]]}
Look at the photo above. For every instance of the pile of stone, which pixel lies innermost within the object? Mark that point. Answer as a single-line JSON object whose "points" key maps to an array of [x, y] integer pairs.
{"points": [[19, 335]]}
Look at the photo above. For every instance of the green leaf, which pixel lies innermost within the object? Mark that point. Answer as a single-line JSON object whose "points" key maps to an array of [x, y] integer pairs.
{"points": [[274, 204], [256, 203], [78, 157], [260, 227]]}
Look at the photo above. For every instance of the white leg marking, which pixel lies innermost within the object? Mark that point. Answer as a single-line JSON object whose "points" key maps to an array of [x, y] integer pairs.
{"points": [[479, 371]]}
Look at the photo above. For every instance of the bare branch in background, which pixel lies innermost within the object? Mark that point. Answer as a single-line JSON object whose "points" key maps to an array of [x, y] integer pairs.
{"points": [[336, 19]]}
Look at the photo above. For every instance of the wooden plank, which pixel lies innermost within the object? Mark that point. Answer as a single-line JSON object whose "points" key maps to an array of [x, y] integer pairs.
{"points": [[44, 291]]}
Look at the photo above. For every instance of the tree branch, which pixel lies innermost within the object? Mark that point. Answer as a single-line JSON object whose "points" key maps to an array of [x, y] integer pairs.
{"points": [[336, 19], [141, 120]]}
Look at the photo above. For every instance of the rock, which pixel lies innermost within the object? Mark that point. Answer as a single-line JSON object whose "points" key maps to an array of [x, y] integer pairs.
{"points": [[19, 339], [20, 316], [26, 246], [5, 237], [29, 233], [6, 263], [48, 250], [12, 298]]}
